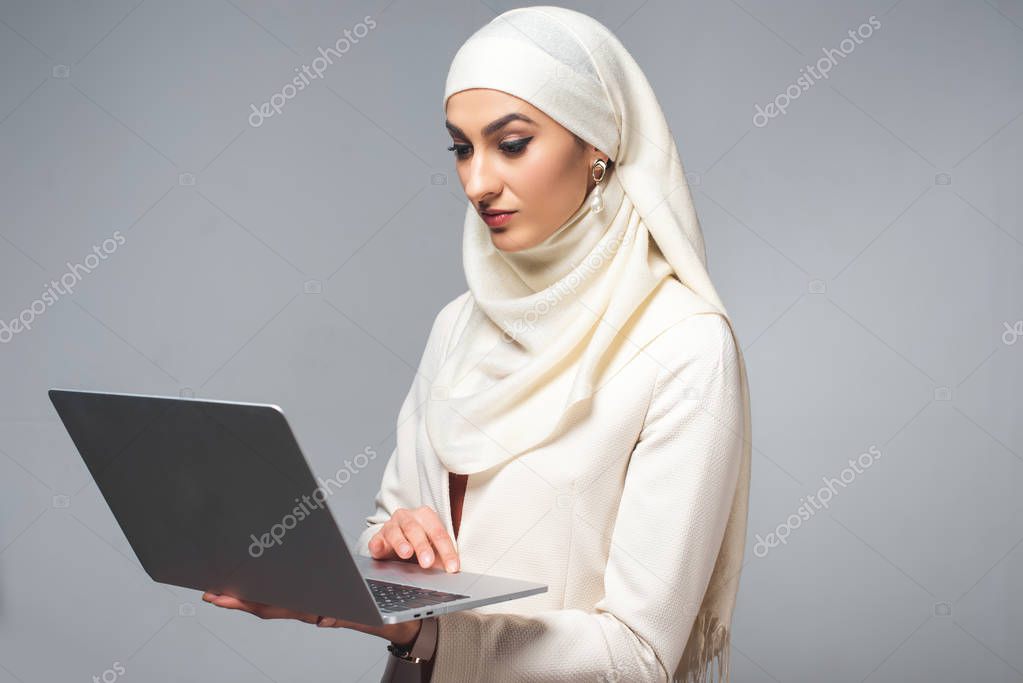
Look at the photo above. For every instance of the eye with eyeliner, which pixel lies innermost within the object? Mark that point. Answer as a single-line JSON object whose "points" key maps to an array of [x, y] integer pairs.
{"points": [[509, 146]]}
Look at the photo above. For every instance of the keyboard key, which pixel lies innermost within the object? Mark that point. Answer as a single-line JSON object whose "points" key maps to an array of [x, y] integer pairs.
{"points": [[397, 597]]}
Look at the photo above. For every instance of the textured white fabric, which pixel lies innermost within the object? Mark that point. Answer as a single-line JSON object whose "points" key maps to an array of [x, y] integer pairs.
{"points": [[546, 334], [621, 515]]}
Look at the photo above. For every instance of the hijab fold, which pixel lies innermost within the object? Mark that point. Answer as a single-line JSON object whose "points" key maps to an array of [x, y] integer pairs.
{"points": [[550, 324]]}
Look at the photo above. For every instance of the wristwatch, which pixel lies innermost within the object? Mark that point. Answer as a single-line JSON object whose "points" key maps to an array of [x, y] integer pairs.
{"points": [[422, 648], [404, 652]]}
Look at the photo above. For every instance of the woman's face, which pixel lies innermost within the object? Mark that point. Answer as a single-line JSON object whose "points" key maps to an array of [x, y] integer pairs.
{"points": [[510, 156]]}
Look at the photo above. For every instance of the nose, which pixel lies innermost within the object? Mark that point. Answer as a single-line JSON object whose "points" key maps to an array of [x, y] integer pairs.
{"points": [[481, 179]]}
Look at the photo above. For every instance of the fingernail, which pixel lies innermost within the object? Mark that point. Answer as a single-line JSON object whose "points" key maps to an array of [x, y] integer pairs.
{"points": [[326, 621], [452, 565], [405, 548], [427, 559]]}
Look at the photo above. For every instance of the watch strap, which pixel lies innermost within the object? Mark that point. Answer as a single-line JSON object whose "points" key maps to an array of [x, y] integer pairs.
{"points": [[426, 642]]}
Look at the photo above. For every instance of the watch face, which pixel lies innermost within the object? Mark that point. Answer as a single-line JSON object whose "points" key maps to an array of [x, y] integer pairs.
{"points": [[399, 651], [404, 653]]}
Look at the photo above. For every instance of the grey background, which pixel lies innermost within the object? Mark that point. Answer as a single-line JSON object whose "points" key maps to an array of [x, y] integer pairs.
{"points": [[867, 244]]}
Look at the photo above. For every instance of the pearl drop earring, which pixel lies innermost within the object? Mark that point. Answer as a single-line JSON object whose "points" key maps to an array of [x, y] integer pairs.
{"points": [[597, 199]]}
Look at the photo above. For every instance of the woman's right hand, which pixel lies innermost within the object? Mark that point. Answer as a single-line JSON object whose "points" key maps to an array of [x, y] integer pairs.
{"points": [[415, 532]]}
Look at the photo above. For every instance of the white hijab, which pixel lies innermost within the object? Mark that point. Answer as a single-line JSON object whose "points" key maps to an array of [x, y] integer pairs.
{"points": [[550, 324]]}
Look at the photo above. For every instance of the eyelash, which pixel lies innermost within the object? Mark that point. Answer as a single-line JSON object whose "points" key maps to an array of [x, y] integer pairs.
{"points": [[512, 147]]}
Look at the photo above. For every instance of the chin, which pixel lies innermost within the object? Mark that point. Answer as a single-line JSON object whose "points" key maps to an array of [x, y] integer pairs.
{"points": [[511, 240]]}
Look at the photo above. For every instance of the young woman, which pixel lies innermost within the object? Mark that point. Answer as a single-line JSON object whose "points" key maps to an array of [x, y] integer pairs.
{"points": [[580, 416]]}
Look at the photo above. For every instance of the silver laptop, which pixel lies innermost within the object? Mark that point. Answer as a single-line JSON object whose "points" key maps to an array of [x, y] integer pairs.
{"points": [[216, 495]]}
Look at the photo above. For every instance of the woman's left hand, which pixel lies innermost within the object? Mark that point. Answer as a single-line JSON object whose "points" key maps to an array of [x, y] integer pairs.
{"points": [[403, 633]]}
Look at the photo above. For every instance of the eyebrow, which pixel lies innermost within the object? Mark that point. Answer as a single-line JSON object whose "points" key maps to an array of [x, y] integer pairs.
{"points": [[493, 126]]}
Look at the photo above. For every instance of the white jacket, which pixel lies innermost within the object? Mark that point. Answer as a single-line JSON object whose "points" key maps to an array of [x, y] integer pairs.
{"points": [[613, 516]]}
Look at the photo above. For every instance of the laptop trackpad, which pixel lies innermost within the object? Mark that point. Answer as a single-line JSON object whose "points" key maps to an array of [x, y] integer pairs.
{"points": [[435, 578]]}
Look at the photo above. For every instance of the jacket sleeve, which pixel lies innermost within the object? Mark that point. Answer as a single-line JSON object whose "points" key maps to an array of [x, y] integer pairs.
{"points": [[399, 485], [678, 491]]}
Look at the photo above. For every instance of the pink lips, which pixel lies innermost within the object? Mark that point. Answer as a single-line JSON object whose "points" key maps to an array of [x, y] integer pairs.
{"points": [[497, 220]]}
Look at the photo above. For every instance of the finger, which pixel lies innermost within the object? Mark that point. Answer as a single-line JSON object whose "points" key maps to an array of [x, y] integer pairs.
{"points": [[334, 622], [441, 540], [231, 602], [396, 538], [416, 535], [380, 549], [262, 610], [274, 612]]}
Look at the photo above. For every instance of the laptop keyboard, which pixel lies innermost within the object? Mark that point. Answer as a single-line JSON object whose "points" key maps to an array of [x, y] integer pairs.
{"points": [[397, 597]]}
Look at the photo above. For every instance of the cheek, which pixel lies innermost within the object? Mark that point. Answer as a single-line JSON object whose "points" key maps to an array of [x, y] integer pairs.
{"points": [[545, 188]]}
